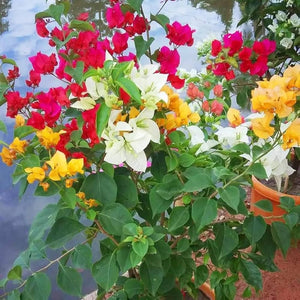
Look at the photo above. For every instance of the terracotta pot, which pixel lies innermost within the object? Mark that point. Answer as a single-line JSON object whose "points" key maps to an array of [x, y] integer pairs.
{"points": [[259, 192], [206, 289]]}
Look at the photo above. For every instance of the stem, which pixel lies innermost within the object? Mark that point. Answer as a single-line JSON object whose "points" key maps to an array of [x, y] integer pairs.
{"points": [[147, 34]]}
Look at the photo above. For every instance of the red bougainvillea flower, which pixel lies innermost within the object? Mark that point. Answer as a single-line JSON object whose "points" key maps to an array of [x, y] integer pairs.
{"points": [[216, 107], [205, 106], [216, 47], [114, 16], [41, 28], [169, 60], [13, 74], [265, 47], [14, 103], [233, 41], [129, 57], [260, 66], [124, 96], [77, 90], [220, 69], [34, 79], [140, 25], [245, 54], [59, 93], [180, 35], [83, 16], [176, 81], [43, 63], [36, 121], [193, 91], [120, 42], [89, 126], [230, 75]]}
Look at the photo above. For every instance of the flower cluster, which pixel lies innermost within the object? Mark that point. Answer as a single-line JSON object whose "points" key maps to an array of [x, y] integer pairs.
{"points": [[232, 53]]}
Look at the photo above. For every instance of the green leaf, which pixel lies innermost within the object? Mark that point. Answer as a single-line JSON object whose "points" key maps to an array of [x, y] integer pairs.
{"points": [[170, 187], [52, 189], [158, 204], [204, 211], [251, 273], [130, 88], [186, 160], [133, 287], [101, 187], [178, 218], [8, 61], [152, 273], [81, 25], [159, 167], [56, 11], [201, 275], [123, 258], [23, 131], [43, 221], [194, 183], [231, 196], [69, 280], [38, 286], [254, 228], [226, 240], [136, 5], [3, 126], [113, 217], [266, 244], [106, 271], [242, 147], [69, 197], [287, 203], [160, 19], [77, 72], [15, 273], [141, 45], [63, 230], [14, 295], [265, 205], [134, 259], [282, 236], [127, 192], [258, 171], [82, 257], [103, 114], [140, 247], [3, 282], [291, 219], [183, 245]]}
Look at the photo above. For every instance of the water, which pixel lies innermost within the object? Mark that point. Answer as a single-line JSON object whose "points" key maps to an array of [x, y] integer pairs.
{"points": [[19, 41]]}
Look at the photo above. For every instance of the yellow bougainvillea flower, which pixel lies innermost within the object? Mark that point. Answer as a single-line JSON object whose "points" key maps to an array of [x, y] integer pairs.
{"points": [[20, 121], [81, 195], [48, 138], [75, 166], [59, 166], [261, 126], [234, 117], [45, 186], [8, 156], [291, 136], [18, 145], [293, 73], [69, 182], [35, 173], [91, 203]]}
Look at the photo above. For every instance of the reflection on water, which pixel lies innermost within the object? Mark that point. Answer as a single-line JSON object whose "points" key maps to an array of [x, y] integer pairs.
{"points": [[19, 41]]}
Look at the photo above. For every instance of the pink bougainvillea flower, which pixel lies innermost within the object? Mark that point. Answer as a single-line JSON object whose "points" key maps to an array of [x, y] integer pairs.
{"points": [[120, 42], [83, 16], [205, 106], [216, 47], [245, 54], [218, 90], [176, 81], [59, 93], [140, 25], [89, 126], [41, 28], [129, 57], [179, 34], [114, 16], [220, 69], [193, 91], [265, 47], [169, 60], [43, 63], [216, 107], [260, 66], [233, 41]]}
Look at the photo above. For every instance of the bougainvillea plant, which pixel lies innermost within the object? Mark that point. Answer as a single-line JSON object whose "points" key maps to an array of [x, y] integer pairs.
{"points": [[141, 169]]}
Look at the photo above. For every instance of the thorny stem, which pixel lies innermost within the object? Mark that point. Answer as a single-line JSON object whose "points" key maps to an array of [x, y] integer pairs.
{"points": [[57, 260]]}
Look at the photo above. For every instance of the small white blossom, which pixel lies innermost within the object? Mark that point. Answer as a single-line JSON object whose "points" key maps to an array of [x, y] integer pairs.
{"points": [[287, 43], [281, 16], [295, 20], [229, 136], [273, 27]]}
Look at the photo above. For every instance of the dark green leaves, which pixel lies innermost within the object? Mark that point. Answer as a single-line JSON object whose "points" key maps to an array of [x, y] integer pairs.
{"points": [[198, 179], [178, 218], [130, 88], [38, 286], [101, 187], [204, 211], [231, 196], [127, 192], [141, 45], [63, 230], [69, 280], [265, 205], [254, 228], [102, 118], [251, 273], [113, 217], [282, 236], [106, 271]]}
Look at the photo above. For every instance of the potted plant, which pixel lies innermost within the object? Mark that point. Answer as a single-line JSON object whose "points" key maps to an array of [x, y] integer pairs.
{"points": [[138, 166]]}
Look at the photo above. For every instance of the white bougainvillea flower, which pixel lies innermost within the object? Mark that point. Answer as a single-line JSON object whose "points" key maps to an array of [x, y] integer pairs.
{"points": [[229, 136], [150, 84], [198, 138]]}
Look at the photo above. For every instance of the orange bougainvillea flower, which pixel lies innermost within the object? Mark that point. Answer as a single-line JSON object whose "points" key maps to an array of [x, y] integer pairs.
{"points": [[261, 126], [18, 145], [91, 203], [45, 186], [8, 156], [69, 182], [35, 173], [291, 137], [48, 138], [234, 117]]}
